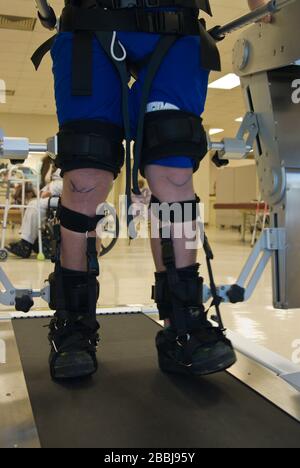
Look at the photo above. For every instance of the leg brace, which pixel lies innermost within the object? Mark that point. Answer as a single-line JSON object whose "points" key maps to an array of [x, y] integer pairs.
{"points": [[178, 292], [70, 290]]}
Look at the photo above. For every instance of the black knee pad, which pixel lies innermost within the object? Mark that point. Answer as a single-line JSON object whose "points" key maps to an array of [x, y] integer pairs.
{"points": [[90, 144], [173, 133]]}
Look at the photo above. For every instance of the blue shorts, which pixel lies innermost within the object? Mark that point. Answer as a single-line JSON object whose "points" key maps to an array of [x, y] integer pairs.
{"points": [[181, 83]]}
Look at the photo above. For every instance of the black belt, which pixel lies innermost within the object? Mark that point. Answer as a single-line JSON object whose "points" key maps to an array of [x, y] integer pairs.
{"points": [[203, 5], [129, 20]]}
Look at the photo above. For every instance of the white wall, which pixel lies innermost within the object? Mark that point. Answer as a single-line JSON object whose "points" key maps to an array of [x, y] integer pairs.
{"points": [[35, 127], [237, 184]]}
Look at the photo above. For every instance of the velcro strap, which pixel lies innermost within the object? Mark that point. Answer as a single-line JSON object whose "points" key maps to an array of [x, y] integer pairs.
{"points": [[80, 145], [176, 212], [77, 222], [86, 142], [173, 126], [173, 133]]}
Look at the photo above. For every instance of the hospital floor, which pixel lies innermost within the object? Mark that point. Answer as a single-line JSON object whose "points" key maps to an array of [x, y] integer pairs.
{"points": [[127, 276]]}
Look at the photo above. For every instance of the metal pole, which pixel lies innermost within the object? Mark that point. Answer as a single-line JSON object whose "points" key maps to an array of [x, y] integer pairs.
{"points": [[46, 14], [274, 6], [37, 148], [216, 146], [44, 8]]}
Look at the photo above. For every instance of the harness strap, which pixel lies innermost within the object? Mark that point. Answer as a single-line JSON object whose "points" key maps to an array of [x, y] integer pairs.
{"points": [[162, 49], [40, 53], [105, 39], [82, 58], [216, 299]]}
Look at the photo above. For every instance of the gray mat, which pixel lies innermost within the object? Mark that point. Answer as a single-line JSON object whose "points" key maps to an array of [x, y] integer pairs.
{"points": [[131, 404]]}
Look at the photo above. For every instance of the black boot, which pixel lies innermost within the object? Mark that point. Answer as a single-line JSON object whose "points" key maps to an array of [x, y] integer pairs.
{"points": [[73, 333], [22, 249], [191, 345]]}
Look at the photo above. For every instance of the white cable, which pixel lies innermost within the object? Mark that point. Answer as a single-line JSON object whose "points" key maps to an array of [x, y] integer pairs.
{"points": [[112, 49]]}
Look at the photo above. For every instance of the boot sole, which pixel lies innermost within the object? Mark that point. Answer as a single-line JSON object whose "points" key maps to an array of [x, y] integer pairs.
{"points": [[73, 366], [169, 366]]}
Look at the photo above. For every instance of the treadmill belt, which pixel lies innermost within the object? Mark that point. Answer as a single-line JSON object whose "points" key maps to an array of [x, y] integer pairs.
{"points": [[131, 404]]}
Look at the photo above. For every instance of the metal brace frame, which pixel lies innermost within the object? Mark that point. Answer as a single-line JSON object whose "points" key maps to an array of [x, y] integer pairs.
{"points": [[240, 146], [271, 241], [10, 294]]}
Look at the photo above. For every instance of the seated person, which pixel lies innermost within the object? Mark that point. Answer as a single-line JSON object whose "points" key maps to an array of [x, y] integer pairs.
{"points": [[29, 230], [30, 194]]}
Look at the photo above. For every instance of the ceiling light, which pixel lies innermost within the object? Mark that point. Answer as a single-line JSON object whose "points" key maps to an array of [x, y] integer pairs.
{"points": [[240, 119], [229, 81], [215, 131]]}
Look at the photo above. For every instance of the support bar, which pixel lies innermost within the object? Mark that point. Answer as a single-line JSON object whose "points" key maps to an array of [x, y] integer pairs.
{"points": [[240, 146], [272, 7], [46, 14], [18, 149], [37, 148], [43, 8]]}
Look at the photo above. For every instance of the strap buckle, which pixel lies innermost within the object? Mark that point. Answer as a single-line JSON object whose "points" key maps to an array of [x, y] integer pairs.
{"points": [[151, 3], [161, 22], [173, 22]]}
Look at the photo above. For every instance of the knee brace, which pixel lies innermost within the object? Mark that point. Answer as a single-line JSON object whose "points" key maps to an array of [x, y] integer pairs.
{"points": [[173, 133], [90, 144], [71, 290], [178, 292]]}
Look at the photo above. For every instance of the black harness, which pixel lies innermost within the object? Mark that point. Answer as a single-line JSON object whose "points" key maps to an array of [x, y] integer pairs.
{"points": [[88, 19]]}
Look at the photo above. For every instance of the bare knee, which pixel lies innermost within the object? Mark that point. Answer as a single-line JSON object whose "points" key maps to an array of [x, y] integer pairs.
{"points": [[170, 184], [85, 189]]}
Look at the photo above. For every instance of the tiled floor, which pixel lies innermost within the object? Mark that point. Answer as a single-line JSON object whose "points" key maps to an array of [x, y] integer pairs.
{"points": [[127, 276]]}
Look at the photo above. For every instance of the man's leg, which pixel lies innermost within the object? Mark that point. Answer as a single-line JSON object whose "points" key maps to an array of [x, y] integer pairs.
{"points": [[95, 123], [172, 185], [84, 190], [174, 144], [29, 229], [74, 330], [189, 344]]}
